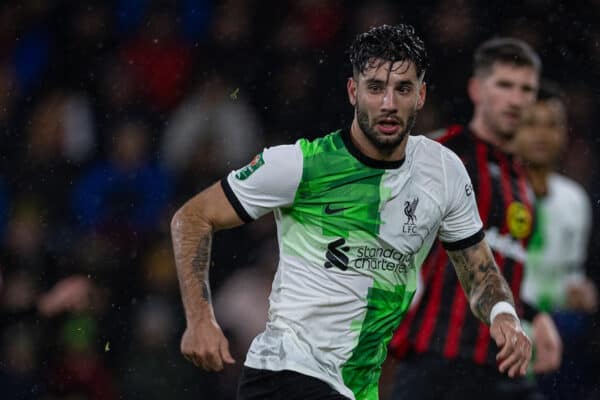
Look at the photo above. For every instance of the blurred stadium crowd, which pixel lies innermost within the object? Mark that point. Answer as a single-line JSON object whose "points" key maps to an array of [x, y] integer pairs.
{"points": [[113, 113]]}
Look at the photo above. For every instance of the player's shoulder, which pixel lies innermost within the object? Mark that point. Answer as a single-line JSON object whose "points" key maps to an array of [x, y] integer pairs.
{"points": [[282, 150], [284, 157], [322, 144], [426, 149], [568, 188]]}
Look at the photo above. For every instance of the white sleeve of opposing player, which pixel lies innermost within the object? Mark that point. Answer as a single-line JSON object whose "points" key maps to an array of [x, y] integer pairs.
{"points": [[268, 182], [461, 225]]}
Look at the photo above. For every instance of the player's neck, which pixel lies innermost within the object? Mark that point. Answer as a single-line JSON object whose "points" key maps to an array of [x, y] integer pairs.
{"points": [[538, 178], [485, 133], [360, 141]]}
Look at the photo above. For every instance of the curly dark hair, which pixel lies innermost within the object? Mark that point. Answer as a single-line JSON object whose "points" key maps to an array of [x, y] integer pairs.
{"points": [[389, 43]]}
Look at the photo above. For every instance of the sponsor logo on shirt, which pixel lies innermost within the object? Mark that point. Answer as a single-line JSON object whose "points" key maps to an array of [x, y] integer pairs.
{"points": [[335, 254], [329, 210], [518, 220], [249, 169], [367, 258], [468, 189]]}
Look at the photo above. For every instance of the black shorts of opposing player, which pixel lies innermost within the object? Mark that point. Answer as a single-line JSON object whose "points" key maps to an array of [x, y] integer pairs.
{"points": [[435, 378], [260, 384]]}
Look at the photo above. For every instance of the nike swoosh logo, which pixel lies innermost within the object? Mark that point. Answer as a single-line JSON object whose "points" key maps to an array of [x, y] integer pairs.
{"points": [[329, 210]]}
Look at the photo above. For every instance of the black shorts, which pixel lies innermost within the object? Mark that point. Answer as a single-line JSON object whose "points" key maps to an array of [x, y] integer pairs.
{"points": [[427, 377], [261, 384]]}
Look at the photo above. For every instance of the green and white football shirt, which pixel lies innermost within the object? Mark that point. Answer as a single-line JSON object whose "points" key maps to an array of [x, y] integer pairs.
{"points": [[352, 233]]}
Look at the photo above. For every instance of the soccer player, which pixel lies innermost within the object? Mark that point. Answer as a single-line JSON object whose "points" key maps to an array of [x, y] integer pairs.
{"points": [[555, 279], [357, 211], [446, 352]]}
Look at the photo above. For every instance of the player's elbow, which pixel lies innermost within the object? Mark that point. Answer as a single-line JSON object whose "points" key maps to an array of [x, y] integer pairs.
{"points": [[191, 214], [177, 220]]}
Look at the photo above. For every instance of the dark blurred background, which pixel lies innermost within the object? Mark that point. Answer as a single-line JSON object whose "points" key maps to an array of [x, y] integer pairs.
{"points": [[113, 113]]}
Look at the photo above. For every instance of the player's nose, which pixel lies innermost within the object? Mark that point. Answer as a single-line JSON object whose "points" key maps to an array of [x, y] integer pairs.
{"points": [[389, 102]]}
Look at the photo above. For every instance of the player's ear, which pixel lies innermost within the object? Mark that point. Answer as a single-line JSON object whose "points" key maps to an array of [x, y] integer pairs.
{"points": [[352, 87], [422, 95], [474, 89]]}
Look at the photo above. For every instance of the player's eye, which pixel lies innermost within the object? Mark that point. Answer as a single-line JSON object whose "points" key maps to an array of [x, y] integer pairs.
{"points": [[404, 89], [504, 84], [374, 87], [528, 89]]}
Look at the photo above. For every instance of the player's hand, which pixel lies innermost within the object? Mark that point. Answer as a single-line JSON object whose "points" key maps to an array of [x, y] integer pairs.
{"points": [[582, 295], [548, 344], [515, 346], [73, 293], [204, 344]]}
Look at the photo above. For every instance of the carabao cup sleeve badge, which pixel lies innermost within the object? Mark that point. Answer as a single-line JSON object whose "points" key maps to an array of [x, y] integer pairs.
{"points": [[249, 169]]}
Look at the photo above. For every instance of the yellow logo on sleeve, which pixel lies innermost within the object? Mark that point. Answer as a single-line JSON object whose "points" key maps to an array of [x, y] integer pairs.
{"points": [[519, 220]]}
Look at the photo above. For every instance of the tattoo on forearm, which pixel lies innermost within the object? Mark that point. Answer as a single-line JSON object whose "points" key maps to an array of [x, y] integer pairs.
{"points": [[192, 242], [200, 264], [483, 268], [481, 279]]}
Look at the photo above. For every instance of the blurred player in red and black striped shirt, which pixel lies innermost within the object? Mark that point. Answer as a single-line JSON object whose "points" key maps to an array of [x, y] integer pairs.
{"points": [[446, 351]]}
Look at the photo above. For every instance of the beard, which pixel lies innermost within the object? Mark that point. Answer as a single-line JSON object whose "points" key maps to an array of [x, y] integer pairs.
{"points": [[502, 133], [379, 140]]}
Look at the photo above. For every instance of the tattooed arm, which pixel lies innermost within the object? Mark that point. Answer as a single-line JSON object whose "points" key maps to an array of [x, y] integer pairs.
{"points": [[192, 227], [480, 278], [485, 288]]}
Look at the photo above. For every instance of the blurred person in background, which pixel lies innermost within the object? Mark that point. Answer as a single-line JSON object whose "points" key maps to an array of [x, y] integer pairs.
{"points": [[60, 138], [20, 373], [213, 129], [345, 278], [37, 279], [155, 370], [555, 279], [445, 351], [126, 194], [27, 261], [232, 31], [27, 40], [78, 369], [39, 290], [159, 60]]}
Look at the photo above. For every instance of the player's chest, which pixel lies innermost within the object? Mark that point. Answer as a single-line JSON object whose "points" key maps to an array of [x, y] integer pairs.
{"points": [[410, 216], [396, 209]]}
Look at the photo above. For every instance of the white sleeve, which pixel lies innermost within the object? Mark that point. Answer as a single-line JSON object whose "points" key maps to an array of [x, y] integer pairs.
{"points": [[268, 182], [461, 225], [581, 236]]}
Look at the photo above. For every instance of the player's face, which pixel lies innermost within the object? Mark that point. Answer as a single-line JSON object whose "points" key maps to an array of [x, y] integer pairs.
{"points": [[386, 100], [502, 96], [542, 135]]}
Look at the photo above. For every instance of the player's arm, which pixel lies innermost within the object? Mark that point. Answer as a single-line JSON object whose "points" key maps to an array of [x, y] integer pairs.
{"points": [[481, 279], [492, 302], [192, 228], [269, 182]]}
